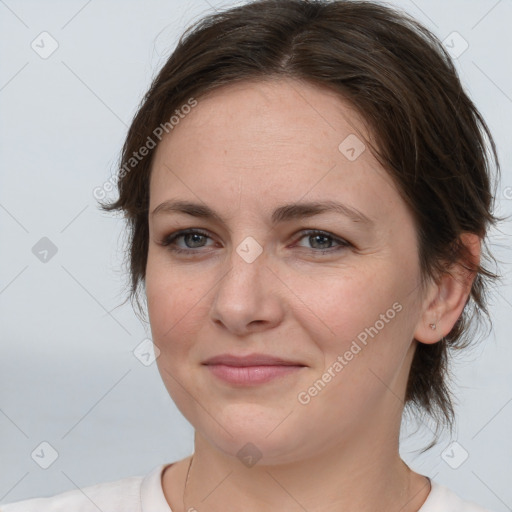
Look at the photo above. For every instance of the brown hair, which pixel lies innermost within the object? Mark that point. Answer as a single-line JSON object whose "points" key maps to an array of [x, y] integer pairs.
{"points": [[429, 135]]}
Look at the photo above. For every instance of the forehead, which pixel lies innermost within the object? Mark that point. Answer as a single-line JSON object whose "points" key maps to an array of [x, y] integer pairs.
{"points": [[269, 142]]}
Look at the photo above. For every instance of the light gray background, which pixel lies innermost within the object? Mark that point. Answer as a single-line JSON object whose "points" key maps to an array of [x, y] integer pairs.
{"points": [[67, 372]]}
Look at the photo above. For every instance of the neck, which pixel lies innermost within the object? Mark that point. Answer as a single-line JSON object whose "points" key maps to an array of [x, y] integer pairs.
{"points": [[348, 478]]}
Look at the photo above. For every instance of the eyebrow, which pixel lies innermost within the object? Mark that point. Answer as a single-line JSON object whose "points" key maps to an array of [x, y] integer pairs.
{"points": [[284, 213]]}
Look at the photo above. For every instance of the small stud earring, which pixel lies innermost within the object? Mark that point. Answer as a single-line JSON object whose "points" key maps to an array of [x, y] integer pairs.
{"points": [[433, 326]]}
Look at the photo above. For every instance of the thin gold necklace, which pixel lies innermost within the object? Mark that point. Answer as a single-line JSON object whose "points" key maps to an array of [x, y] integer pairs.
{"points": [[186, 480]]}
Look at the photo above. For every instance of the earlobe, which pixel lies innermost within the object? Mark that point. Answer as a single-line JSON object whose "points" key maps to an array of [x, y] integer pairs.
{"points": [[446, 301]]}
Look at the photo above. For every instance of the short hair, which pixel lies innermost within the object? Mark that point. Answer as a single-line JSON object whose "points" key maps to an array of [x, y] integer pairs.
{"points": [[429, 136]]}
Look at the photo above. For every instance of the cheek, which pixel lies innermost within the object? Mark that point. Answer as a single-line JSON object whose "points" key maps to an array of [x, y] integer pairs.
{"points": [[361, 329], [363, 316], [163, 304], [340, 305], [171, 314], [176, 301]]}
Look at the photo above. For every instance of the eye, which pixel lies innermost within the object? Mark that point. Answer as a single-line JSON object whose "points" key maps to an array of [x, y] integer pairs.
{"points": [[194, 239], [320, 239]]}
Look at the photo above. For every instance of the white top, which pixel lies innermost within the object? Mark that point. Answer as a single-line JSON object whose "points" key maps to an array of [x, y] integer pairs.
{"points": [[145, 494]]}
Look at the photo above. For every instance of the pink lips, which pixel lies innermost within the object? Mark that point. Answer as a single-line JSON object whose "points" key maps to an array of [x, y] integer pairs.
{"points": [[250, 370]]}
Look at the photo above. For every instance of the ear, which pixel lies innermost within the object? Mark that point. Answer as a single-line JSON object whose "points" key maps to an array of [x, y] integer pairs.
{"points": [[445, 300]]}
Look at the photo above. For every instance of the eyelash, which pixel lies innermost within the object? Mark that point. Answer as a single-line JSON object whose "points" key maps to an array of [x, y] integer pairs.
{"points": [[168, 240]]}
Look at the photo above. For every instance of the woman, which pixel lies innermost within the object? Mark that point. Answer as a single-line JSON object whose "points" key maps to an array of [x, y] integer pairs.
{"points": [[308, 196]]}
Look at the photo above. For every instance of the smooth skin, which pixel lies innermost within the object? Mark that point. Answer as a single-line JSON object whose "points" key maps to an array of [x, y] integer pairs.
{"points": [[245, 150]]}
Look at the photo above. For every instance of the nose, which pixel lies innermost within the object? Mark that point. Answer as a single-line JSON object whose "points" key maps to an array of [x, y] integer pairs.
{"points": [[247, 297]]}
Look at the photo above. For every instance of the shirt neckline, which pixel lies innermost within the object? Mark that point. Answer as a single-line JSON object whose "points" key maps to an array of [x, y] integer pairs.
{"points": [[152, 498]]}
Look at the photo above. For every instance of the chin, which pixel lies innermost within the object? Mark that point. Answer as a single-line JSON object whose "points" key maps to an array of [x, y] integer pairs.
{"points": [[254, 431]]}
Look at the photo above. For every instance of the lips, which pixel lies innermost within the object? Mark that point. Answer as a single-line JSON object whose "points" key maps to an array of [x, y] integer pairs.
{"points": [[250, 370], [250, 360]]}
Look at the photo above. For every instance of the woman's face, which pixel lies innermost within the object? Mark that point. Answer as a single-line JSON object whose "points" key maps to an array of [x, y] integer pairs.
{"points": [[342, 305]]}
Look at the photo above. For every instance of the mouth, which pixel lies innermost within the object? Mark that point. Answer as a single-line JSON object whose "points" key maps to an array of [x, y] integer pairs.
{"points": [[251, 370]]}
